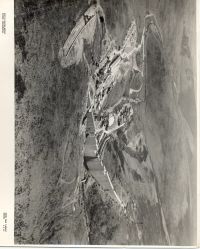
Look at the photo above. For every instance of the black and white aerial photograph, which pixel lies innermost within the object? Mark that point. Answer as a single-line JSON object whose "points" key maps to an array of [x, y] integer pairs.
{"points": [[105, 122]]}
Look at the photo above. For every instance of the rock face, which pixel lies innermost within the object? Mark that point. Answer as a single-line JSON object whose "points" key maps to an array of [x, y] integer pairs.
{"points": [[57, 201]]}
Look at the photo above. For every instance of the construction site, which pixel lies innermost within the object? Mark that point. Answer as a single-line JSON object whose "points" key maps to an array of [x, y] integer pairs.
{"points": [[105, 135]]}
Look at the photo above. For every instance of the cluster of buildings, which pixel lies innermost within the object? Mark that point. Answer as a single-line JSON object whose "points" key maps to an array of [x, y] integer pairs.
{"points": [[124, 114], [111, 121], [104, 122]]}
